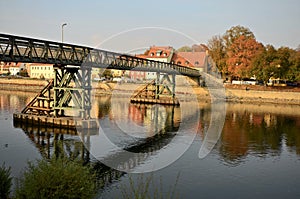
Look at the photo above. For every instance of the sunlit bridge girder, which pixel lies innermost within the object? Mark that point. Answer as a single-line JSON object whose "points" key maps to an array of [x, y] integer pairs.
{"points": [[29, 50]]}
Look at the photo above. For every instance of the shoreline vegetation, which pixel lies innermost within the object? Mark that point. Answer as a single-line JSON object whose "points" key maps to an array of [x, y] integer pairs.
{"points": [[234, 93]]}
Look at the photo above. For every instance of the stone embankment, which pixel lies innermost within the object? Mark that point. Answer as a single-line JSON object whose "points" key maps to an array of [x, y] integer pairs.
{"points": [[234, 93]]}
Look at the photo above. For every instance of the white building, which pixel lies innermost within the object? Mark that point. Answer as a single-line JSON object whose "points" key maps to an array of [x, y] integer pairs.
{"points": [[41, 71]]}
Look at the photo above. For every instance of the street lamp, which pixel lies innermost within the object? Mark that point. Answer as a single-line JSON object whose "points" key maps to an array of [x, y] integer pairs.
{"points": [[62, 32]]}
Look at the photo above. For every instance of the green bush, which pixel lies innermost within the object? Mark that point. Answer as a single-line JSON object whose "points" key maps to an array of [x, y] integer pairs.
{"points": [[5, 182], [57, 178]]}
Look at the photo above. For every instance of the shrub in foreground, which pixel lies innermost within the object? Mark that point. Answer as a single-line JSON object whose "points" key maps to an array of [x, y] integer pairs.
{"points": [[57, 178], [5, 182]]}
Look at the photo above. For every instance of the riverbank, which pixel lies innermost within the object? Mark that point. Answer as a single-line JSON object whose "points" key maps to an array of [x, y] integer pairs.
{"points": [[234, 93]]}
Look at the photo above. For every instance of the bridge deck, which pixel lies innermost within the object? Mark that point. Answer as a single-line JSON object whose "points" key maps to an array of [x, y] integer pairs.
{"points": [[29, 50]]}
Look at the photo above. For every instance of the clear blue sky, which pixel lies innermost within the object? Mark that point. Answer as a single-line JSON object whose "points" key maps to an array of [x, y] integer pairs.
{"points": [[275, 22]]}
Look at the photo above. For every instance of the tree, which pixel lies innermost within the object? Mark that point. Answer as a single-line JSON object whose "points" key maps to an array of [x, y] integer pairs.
{"points": [[184, 49], [298, 48], [219, 47], [283, 63], [235, 32], [105, 73], [23, 73], [240, 55], [293, 73], [262, 66], [217, 52]]}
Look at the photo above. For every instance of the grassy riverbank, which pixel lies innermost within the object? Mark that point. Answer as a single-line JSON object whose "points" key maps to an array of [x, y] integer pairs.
{"points": [[234, 93]]}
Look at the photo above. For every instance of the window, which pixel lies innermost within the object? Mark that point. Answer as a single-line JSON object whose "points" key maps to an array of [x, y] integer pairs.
{"points": [[196, 63], [158, 53], [186, 62], [151, 54], [179, 62]]}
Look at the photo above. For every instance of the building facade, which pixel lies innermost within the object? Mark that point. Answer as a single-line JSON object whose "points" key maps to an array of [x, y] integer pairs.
{"points": [[41, 71]]}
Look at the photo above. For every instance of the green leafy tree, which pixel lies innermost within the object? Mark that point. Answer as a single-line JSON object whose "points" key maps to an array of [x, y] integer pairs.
{"points": [[284, 62], [293, 74], [262, 64], [184, 49]]}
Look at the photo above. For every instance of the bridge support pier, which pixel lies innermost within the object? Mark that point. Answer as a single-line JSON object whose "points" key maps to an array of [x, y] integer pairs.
{"points": [[69, 94], [72, 91], [159, 91]]}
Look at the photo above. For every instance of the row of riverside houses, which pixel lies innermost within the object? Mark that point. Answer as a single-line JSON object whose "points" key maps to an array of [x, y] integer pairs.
{"points": [[33, 70], [196, 59]]}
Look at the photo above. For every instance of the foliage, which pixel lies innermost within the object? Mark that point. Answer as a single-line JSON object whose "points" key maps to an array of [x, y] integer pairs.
{"points": [[184, 49], [240, 55], [283, 63], [23, 73], [146, 188], [237, 53], [263, 64], [106, 73], [58, 178], [298, 48], [5, 182], [217, 52], [235, 32]]}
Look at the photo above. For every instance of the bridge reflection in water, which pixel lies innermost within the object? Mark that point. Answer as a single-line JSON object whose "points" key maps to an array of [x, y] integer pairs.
{"points": [[162, 122]]}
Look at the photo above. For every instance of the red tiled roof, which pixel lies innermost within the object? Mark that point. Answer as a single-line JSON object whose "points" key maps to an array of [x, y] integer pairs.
{"points": [[157, 52], [196, 59]]}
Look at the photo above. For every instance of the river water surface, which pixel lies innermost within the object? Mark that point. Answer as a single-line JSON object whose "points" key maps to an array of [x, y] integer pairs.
{"points": [[257, 155]]}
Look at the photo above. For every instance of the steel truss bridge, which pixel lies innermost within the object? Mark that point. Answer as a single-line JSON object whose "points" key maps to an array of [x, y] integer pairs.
{"points": [[71, 86]]}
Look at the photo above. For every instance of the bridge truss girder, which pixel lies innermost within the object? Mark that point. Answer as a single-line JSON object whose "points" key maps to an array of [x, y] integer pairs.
{"points": [[29, 50]]}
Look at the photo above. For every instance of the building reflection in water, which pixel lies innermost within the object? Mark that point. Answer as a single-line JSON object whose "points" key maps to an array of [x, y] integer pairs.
{"points": [[56, 142], [249, 130]]}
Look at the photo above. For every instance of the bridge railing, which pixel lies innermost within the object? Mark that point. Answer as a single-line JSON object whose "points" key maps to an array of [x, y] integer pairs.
{"points": [[28, 50]]}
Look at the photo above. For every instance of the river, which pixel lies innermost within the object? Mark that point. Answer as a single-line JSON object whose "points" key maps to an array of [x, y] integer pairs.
{"points": [[256, 156]]}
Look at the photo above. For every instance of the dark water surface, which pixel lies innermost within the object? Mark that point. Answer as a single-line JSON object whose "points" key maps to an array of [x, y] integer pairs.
{"points": [[257, 155]]}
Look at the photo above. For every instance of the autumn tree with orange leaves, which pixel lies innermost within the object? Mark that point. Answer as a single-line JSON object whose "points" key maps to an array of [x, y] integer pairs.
{"points": [[240, 55]]}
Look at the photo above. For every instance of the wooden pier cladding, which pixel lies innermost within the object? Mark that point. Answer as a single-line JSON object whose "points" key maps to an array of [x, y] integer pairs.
{"points": [[59, 122], [155, 101]]}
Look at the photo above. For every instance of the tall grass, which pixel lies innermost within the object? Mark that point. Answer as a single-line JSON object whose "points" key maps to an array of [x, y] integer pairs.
{"points": [[5, 182], [146, 188], [56, 178]]}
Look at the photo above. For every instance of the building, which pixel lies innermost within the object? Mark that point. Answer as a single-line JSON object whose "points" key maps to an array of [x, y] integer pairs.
{"points": [[197, 60], [41, 71], [156, 53], [4, 69], [15, 69], [11, 68]]}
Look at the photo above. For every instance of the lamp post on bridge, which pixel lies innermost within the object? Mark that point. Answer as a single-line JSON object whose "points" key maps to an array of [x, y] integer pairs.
{"points": [[62, 32]]}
